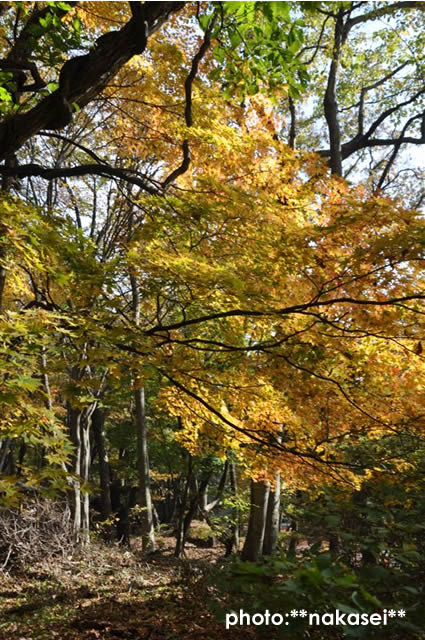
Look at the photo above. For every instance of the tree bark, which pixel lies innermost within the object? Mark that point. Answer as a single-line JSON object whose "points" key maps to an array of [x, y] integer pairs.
{"points": [[145, 499], [272, 519], [233, 541], [2, 274], [4, 448], [330, 101], [179, 548], [74, 417], [257, 521], [185, 519], [359, 498], [98, 423], [82, 78], [79, 424], [85, 472]]}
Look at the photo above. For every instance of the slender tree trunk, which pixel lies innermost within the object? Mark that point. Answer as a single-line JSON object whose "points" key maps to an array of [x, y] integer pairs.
{"points": [[194, 506], [359, 498], [98, 423], [203, 504], [174, 500], [74, 426], [233, 540], [185, 519], [334, 545], [178, 551], [293, 124], [79, 422], [4, 447], [292, 546], [272, 519], [145, 499], [257, 521], [21, 456], [2, 278], [85, 472]]}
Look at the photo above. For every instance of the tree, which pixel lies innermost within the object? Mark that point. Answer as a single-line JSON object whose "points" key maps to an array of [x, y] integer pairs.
{"points": [[268, 302], [260, 492], [371, 104]]}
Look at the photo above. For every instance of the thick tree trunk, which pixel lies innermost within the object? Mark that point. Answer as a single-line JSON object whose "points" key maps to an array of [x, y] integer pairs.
{"points": [[257, 521], [330, 101], [272, 519]]}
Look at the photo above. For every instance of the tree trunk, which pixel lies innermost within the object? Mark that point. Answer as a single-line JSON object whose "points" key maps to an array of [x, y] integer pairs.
{"points": [[74, 416], [98, 423], [79, 423], [292, 546], [4, 448], [359, 498], [330, 102], [232, 542], [194, 506], [334, 545], [272, 519], [185, 520], [85, 472], [178, 551], [2, 278], [257, 521], [145, 499]]}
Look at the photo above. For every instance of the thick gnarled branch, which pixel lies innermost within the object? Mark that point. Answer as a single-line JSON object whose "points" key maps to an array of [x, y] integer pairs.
{"points": [[84, 77]]}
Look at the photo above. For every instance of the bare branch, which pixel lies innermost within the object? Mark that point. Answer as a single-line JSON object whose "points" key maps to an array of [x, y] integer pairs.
{"points": [[188, 107], [382, 11], [128, 175]]}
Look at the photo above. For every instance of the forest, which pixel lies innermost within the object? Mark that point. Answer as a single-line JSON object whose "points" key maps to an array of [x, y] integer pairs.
{"points": [[212, 286]]}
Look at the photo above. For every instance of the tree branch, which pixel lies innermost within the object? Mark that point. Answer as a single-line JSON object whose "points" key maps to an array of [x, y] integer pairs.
{"points": [[84, 77], [26, 170], [385, 10], [188, 107], [397, 145], [300, 308]]}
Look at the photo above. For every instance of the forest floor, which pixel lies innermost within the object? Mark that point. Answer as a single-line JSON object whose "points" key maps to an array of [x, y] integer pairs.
{"points": [[107, 593]]}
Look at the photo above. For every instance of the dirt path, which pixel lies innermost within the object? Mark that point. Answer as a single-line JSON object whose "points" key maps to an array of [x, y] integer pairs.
{"points": [[110, 594]]}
